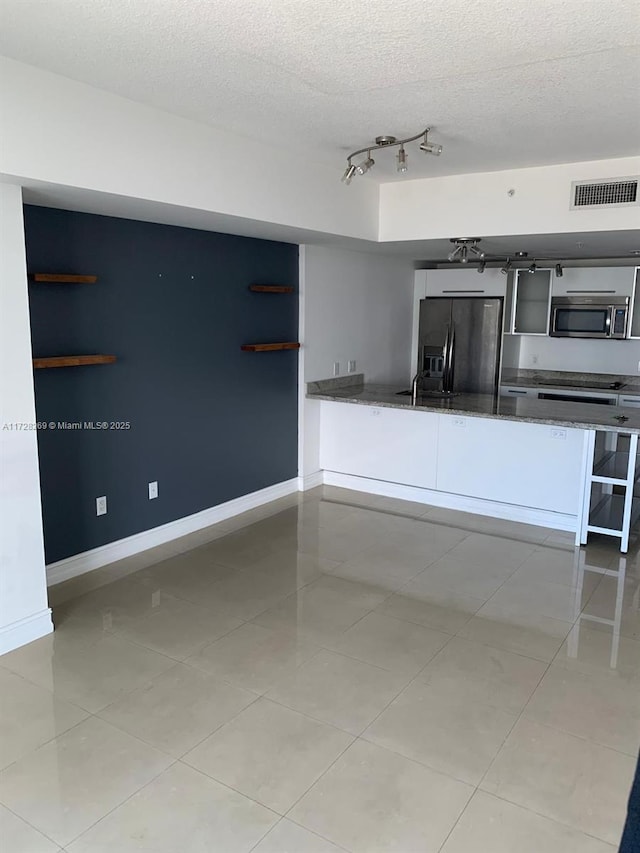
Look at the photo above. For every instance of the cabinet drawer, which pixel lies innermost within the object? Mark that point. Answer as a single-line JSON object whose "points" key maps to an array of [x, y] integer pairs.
{"points": [[629, 402], [517, 391]]}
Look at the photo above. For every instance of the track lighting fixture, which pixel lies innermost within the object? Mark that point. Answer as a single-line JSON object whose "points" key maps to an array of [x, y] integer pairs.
{"points": [[481, 266], [389, 142], [559, 271], [465, 246], [507, 267], [532, 268]]}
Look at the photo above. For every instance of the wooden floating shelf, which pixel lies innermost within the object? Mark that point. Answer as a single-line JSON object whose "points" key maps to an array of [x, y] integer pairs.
{"points": [[269, 347], [52, 278], [72, 360], [270, 288]]}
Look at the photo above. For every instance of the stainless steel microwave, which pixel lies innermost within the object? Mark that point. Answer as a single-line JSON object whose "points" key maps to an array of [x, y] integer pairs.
{"points": [[589, 316]]}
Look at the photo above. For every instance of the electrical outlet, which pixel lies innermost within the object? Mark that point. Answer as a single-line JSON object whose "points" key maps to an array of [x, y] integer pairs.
{"points": [[534, 359], [559, 433], [352, 366], [336, 368], [101, 505], [458, 422], [153, 490]]}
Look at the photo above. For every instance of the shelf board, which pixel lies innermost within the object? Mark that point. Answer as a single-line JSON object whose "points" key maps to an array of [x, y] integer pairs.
{"points": [[270, 288], [72, 360], [269, 347], [54, 278], [606, 516], [612, 468]]}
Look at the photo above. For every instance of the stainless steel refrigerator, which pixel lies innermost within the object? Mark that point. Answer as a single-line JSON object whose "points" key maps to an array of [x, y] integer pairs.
{"points": [[459, 344]]}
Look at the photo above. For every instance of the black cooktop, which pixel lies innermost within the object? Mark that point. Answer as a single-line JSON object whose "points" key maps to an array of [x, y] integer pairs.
{"points": [[588, 384]]}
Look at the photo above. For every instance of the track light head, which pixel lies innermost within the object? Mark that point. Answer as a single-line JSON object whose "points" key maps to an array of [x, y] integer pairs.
{"points": [[402, 160], [430, 147], [559, 271], [363, 167], [464, 255], [507, 267], [349, 172], [481, 266], [454, 254], [532, 268]]}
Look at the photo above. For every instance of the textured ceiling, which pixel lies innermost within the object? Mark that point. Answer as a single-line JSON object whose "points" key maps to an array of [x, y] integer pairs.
{"points": [[505, 83]]}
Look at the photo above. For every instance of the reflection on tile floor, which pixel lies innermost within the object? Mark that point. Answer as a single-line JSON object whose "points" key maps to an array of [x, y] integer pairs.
{"points": [[334, 672]]}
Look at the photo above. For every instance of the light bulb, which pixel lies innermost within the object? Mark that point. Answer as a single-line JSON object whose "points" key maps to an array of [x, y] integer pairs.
{"points": [[402, 160]]}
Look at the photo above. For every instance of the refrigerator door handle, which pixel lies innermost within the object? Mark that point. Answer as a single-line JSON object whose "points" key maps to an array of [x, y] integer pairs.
{"points": [[445, 357], [452, 358]]}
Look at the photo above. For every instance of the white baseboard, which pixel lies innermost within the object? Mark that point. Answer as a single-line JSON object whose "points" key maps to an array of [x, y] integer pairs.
{"points": [[311, 481], [447, 500], [25, 631], [87, 561]]}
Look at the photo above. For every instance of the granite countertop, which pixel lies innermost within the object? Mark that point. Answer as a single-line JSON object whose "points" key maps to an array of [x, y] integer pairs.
{"points": [[576, 415]]}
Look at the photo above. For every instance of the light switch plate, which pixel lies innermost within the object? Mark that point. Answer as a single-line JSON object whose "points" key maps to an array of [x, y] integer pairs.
{"points": [[101, 505], [351, 367], [153, 490], [336, 368]]}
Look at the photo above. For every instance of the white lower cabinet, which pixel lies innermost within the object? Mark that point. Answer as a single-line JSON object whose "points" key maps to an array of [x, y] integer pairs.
{"points": [[395, 445], [526, 465], [530, 465]]}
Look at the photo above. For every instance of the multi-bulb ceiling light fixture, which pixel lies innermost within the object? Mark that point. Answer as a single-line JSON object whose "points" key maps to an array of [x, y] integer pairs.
{"points": [[465, 246], [389, 142], [466, 249]]}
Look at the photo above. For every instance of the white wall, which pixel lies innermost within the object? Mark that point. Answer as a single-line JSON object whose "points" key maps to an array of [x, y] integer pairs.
{"points": [[357, 306], [586, 356], [352, 306], [24, 614], [66, 133], [479, 204]]}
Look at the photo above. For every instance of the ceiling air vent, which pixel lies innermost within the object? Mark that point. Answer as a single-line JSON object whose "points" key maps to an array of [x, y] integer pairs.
{"points": [[619, 192]]}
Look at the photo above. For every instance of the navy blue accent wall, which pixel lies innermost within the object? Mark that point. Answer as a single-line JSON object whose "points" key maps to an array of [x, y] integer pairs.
{"points": [[208, 422]]}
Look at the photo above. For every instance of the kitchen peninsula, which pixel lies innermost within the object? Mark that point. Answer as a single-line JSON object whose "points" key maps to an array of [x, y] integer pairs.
{"points": [[530, 460]]}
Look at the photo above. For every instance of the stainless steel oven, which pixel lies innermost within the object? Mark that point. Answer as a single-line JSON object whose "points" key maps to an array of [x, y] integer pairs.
{"points": [[589, 316]]}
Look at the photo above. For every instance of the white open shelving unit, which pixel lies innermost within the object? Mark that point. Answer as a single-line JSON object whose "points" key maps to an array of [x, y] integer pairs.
{"points": [[610, 504]]}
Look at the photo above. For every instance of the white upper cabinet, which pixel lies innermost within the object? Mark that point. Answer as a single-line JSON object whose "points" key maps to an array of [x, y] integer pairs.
{"points": [[461, 282], [596, 281]]}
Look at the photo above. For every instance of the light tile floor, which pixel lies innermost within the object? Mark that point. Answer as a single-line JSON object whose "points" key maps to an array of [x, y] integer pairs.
{"points": [[334, 672]]}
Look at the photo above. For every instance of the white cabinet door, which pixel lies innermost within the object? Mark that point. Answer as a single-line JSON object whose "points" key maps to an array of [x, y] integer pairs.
{"points": [[463, 282], [599, 281], [395, 445], [530, 465]]}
